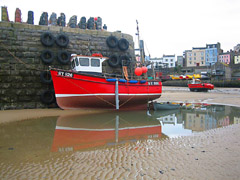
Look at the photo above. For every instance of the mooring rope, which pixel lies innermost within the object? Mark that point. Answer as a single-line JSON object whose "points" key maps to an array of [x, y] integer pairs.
{"points": [[19, 60], [33, 68]]}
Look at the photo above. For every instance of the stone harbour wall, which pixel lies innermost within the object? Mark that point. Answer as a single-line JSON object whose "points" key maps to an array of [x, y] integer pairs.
{"points": [[21, 65]]}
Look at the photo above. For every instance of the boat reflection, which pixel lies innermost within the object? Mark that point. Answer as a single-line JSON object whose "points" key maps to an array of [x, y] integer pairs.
{"points": [[81, 132]]}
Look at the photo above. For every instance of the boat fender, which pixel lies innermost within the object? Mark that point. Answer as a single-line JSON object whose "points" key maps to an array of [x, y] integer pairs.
{"points": [[47, 56], [46, 77], [113, 61], [62, 40], [123, 44], [124, 60], [47, 39], [122, 80], [112, 41], [47, 97], [111, 80], [143, 81], [133, 81], [63, 57]]}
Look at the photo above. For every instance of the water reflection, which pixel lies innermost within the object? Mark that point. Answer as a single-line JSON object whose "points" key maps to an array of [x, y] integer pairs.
{"points": [[196, 118], [80, 132]]}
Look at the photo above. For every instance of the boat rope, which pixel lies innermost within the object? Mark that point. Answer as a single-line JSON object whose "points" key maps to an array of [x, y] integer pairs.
{"points": [[33, 68], [89, 92], [18, 59], [99, 97]]}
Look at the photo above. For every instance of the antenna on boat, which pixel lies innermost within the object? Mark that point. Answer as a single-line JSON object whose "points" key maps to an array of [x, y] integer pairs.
{"points": [[139, 45]]}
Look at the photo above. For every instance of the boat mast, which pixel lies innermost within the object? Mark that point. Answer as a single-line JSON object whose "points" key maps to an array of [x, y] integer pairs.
{"points": [[140, 49]]}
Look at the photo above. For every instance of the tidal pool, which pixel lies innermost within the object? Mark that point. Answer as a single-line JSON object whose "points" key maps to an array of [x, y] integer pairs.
{"points": [[46, 148]]}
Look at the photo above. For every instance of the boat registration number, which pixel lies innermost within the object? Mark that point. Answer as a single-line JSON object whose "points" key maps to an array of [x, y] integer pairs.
{"points": [[68, 74], [153, 83]]}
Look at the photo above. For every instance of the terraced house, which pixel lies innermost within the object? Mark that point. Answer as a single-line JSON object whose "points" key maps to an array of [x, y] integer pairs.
{"points": [[212, 51], [202, 56], [195, 57]]}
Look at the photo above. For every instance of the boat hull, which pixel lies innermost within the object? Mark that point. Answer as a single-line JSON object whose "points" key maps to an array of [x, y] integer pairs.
{"points": [[201, 87], [74, 90]]}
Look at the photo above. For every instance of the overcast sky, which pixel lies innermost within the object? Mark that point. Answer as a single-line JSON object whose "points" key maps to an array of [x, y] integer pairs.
{"points": [[166, 26]]}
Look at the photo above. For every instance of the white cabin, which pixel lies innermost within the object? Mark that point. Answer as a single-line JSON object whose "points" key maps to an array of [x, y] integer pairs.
{"points": [[87, 64]]}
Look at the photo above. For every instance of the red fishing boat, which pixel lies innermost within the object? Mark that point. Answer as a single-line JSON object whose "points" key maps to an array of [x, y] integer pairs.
{"points": [[197, 85], [85, 86]]}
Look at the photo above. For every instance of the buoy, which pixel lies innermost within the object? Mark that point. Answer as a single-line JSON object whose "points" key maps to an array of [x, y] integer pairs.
{"points": [[138, 71], [144, 69]]}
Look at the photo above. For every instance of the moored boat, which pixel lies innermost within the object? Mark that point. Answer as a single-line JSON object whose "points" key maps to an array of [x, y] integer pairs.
{"points": [[165, 106], [84, 90], [197, 85], [86, 85]]}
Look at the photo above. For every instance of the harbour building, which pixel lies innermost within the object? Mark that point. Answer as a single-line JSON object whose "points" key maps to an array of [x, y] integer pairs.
{"points": [[211, 53]]}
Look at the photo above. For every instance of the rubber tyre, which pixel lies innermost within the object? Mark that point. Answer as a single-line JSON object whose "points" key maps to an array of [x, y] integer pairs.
{"points": [[62, 40], [126, 61], [123, 44], [46, 77], [47, 39], [113, 61], [112, 41], [47, 56], [63, 57], [47, 97]]}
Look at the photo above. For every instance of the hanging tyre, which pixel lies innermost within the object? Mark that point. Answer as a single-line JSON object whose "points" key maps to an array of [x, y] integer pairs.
{"points": [[47, 56], [113, 61], [62, 40], [47, 39], [123, 44], [124, 60], [63, 57], [112, 41], [46, 77], [47, 97]]}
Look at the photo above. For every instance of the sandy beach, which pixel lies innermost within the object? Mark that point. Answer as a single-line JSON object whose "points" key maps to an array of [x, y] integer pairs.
{"points": [[208, 155]]}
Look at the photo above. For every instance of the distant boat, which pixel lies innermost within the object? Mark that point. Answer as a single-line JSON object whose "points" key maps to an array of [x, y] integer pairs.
{"points": [[165, 106], [197, 85]]}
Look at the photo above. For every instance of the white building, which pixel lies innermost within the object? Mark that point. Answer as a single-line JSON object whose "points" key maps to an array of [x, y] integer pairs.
{"points": [[157, 62], [169, 60]]}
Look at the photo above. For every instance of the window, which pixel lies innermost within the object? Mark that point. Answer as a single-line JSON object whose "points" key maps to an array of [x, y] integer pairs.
{"points": [[84, 61], [194, 54], [194, 58], [95, 62], [190, 58], [76, 61], [73, 64]]}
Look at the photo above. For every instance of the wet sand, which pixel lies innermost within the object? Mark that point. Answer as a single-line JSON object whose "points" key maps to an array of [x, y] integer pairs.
{"points": [[209, 155]]}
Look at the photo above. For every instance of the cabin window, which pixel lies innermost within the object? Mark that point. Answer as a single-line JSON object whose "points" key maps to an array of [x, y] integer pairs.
{"points": [[95, 62], [76, 61], [73, 64], [84, 61]]}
